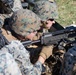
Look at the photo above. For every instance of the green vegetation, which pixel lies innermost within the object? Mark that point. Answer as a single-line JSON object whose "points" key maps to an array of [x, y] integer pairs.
{"points": [[67, 11]]}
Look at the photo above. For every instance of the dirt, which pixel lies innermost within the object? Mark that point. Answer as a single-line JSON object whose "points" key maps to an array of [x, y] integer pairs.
{"points": [[8, 35]]}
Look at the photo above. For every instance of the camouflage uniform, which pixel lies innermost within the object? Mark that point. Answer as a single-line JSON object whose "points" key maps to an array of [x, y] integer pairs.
{"points": [[23, 22], [69, 62], [13, 5], [46, 10], [21, 56], [7, 64], [16, 5]]}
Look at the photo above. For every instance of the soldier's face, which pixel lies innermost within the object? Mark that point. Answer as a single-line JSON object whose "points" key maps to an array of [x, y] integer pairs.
{"points": [[31, 35]]}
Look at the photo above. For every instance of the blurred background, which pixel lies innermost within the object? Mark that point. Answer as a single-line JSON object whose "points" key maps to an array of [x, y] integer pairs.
{"points": [[67, 12]]}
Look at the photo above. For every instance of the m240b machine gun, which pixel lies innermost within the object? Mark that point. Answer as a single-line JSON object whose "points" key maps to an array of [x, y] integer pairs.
{"points": [[66, 35]]}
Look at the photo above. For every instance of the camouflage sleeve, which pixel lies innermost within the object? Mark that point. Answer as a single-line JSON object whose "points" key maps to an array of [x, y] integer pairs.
{"points": [[17, 5], [69, 61], [1, 21], [21, 55], [7, 65]]}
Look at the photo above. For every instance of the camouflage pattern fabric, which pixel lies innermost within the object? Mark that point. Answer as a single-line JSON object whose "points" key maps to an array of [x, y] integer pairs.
{"points": [[46, 9], [69, 62], [17, 5], [7, 64], [1, 21], [24, 21], [7, 2], [45, 0], [11, 4], [21, 56]]}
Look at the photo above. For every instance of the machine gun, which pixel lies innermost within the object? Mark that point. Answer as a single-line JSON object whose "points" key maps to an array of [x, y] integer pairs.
{"points": [[60, 38], [67, 35]]}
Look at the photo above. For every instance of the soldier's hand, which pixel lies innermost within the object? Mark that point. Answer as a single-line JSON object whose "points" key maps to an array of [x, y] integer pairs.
{"points": [[48, 24], [46, 51]]}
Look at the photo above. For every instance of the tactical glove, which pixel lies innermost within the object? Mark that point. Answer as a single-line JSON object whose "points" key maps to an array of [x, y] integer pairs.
{"points": [[46, 51]]}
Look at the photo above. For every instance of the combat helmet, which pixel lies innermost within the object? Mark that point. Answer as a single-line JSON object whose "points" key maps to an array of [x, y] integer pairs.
{"points": [[46, 9], [24, 21]]}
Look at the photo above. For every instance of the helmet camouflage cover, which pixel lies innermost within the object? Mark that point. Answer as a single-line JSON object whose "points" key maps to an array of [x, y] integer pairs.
{"points": [[24, 21], [46, 9]]}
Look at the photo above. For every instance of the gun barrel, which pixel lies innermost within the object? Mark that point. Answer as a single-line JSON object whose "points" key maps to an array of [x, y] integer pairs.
{"points": [[29, 42]]}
